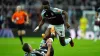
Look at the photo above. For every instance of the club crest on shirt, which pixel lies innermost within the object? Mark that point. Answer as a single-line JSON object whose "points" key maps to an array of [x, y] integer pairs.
{"points": [[46, 15], [52, 14]]}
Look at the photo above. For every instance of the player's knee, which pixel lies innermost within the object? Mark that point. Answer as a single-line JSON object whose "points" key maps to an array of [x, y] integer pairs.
{"points": [[63, 43], [23, 32], [19, 32]]}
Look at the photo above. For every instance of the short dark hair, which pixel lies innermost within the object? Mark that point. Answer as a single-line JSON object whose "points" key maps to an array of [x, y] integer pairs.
{"points": [[45, 2], [26, 47]]}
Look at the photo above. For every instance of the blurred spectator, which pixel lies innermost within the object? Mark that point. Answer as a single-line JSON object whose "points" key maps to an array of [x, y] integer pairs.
{"points": [[33, 7], [1, 20], [72, 19], [6, 31], [33, 16]]}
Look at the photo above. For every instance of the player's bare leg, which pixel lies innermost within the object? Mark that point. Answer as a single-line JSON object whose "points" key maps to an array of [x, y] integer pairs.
{"points": [[45, 36], [47, 33], [53, 33]]}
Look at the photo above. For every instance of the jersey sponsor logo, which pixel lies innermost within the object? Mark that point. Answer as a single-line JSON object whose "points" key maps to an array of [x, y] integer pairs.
{"points": [[46, 15], [51, 17]]}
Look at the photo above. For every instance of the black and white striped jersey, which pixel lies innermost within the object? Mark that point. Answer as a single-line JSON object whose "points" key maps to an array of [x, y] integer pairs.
{"points": [[39, 52]]}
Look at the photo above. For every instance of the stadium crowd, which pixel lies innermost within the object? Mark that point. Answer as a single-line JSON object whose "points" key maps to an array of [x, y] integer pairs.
{"points": [[74, 8]]}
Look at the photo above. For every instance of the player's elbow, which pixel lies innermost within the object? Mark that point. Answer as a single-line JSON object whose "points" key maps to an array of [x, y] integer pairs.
{"points": [[12, 20], [64, 12]]}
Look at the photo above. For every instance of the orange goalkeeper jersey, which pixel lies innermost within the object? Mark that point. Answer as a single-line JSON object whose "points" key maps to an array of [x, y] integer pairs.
{"points": [[19, 17]]}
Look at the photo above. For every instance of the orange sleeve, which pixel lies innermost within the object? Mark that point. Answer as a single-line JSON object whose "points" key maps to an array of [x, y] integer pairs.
{"points": [[25, 14]]}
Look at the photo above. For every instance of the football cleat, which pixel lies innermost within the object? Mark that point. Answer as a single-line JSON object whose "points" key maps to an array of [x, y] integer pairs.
{"points": [[71, 42]]}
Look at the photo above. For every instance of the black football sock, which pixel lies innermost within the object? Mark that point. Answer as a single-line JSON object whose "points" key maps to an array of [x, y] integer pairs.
{"points": [[20, 37]]}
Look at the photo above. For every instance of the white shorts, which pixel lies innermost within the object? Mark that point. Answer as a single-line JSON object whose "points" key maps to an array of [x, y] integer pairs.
{"points": [[60, 29], [96, 28]]}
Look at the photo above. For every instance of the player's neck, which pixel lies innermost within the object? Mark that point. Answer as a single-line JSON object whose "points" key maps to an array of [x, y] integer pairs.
{"points": [[47, 9], [31, 50], [18, 11]]}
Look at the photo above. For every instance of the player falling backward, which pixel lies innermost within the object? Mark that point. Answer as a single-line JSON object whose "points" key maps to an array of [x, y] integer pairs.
{"points": [[46, 49], [20, 18], [54, 17]]}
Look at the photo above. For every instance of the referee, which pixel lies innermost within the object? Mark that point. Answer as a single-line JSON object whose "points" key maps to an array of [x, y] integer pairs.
{"points": [[20, 18]]}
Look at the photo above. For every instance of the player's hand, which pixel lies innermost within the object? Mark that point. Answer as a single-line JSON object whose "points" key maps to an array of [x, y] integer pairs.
{"points": [[36, 29], [14, 21], [49, 43], [27, 22], [68, 26]]}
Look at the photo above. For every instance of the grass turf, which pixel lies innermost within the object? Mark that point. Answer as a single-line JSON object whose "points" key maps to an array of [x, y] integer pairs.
{"points": [[13, 47]]}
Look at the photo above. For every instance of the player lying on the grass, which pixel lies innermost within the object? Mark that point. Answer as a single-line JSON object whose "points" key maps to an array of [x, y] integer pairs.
{"points": [[20, 18], [45, 50], [54, 17]]}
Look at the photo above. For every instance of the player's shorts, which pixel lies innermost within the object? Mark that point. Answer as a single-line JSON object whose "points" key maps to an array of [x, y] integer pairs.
{"points": [[97, 22], [60, 29], [96, 28], [20, 26]]}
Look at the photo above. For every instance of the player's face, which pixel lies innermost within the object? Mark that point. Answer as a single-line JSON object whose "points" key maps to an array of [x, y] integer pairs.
{"points": [[30, 47], [46, 7]]}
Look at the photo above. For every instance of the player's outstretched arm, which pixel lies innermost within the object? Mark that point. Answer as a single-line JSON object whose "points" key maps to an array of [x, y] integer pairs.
{"points": [[66, 18], [96, 15], [39, 26], [13, 18]]}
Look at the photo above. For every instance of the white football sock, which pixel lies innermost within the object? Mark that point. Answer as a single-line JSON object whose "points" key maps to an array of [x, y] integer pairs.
{"points": [[41, 43], [67, 40]]}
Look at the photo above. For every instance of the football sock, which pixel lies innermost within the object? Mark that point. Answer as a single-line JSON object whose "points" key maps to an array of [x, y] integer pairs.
{"points": [[67, 40], [41, 43], [20, 37]]}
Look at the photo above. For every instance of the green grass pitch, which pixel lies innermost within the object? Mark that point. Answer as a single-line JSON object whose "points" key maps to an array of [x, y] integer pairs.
{"points": [[13, 47]]}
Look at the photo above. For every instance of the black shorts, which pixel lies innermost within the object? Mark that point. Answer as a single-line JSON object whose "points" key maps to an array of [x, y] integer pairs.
{"points": [[20, 26], [97, 23]]}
